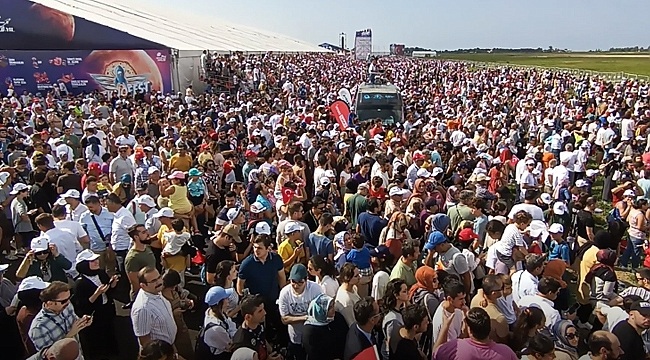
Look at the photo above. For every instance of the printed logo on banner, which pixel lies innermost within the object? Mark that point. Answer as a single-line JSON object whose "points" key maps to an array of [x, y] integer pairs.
{"points": [[160, 57], [4, 25], [121, 77]]}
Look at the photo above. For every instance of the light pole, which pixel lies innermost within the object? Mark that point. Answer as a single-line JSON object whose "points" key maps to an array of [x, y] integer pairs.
{"points": [[343, 38]]}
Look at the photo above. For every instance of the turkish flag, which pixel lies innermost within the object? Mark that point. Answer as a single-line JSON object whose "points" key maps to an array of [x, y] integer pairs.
{"points": [[287, 195], [368, 354]]}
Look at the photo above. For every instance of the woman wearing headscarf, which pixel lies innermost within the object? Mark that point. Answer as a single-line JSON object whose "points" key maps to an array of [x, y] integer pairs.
{"points": [[602, 277], [323, 336], [244, 354], [426, 292], [566, 340], [396, 234], [93, 296]]}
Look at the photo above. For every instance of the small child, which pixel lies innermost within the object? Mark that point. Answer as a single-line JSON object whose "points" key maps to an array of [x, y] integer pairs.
{"points": [[559, 249], [359, 255], [174, 242], [505, 303]]}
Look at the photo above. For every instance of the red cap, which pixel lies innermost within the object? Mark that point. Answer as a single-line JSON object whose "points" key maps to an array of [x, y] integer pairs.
{"points": [[250, 153], [467, 234], [44, 132], [94, 166], [418, 156], [205, 146]]}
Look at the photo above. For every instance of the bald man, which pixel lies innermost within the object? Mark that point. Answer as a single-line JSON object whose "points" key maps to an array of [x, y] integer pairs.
{"points": [[64, 349], [603, 345]]}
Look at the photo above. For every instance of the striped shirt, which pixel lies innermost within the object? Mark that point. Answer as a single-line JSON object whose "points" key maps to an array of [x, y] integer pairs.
{"points": [[152, 315], [643, 293]]}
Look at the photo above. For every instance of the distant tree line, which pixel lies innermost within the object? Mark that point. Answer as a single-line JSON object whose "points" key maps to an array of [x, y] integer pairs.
{"points": [[409, 50]]}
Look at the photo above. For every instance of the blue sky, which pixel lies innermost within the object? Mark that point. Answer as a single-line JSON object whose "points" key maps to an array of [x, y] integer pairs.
{"points": [[453, 24]]}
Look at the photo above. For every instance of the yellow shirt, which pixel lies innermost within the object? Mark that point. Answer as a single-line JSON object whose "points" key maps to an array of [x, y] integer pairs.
{"points": [[286, 250], [205, 156], [182, 163], [176, 262], [178, 201]]}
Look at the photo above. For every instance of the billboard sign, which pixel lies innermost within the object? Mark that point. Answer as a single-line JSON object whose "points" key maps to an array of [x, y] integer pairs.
{"points": [[363, 44], [26, 25], [84, 71]]}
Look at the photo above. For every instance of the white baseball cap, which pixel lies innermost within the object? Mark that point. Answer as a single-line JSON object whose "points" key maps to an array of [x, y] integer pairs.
{"points": [[257, 207], [32, 282], [629, 192], [152, 169], [592, 172], [559, 208], [262, 227], [18, 188], [324, 181], [556, 228], [581, 183], [546, 198], [4, 176], [72, 193], [3, 267], [86, 255], [423, 173], [164, 212], [40, 243], [396, 191], [437, 171], [291, 227], [147, 200]]}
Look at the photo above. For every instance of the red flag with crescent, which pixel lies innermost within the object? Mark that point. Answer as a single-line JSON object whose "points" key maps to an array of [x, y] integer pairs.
{"points": [[287, 194]]}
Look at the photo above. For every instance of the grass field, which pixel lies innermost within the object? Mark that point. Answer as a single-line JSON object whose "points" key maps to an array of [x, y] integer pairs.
{"points": [[635, 63]]}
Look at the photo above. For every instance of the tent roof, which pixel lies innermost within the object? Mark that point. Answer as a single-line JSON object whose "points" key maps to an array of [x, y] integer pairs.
{"points": [[177, 30]]}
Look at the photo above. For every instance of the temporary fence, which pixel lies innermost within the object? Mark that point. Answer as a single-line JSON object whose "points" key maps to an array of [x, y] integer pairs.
{"points": [[611, 76]]}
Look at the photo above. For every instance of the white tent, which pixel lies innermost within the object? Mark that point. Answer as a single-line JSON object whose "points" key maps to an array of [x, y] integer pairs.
{"points": [[176, 29], [187, 35]]}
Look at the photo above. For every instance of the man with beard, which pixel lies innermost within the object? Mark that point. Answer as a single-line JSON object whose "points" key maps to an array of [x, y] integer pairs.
{"points": [[151, 313], [139, 257], [629, 332]]}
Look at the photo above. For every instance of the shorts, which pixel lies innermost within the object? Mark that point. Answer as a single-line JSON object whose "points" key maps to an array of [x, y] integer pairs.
{"points": [[507, 260], [196, 200]]}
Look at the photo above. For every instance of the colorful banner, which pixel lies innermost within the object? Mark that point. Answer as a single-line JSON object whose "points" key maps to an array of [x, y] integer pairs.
{"points": [[363, 44], [84, 71], [341, 111], [26, 25]]}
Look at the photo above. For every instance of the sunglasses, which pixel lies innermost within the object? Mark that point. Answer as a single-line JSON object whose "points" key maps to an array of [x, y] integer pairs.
{"points": [[44, 252], [64, 301], [571, 336]]}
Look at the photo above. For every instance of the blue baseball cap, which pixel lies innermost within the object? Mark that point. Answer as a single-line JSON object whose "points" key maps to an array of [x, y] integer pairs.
{"points": [[216, 293], [436, 238]]}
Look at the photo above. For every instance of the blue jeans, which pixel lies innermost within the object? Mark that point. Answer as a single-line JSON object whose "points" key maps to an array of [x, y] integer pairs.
{"points": [[633, 249]]}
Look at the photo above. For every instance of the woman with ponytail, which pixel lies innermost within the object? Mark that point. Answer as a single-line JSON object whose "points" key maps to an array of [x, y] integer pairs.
{"points": [[529, 322]]}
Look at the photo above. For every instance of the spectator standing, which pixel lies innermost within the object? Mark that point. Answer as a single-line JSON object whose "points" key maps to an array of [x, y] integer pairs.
{"points": [[57, 319], [44, 261], [293, 303], [120, 239], [251, 334], [415, 322], [454, 305], [347, 296], [547, 290], [361, 334], [29, 291], [151, 313], [629, 332], [137, 258], [218, 329], [98, 223]]}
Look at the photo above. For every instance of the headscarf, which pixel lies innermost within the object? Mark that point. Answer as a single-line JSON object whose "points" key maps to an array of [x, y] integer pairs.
{"points": [[424, 277], [318, 309], [561, 342], [440, 223], [606, 259], [243, 354], [254, 176], [339, 240], [94, 142], [416, 193]]}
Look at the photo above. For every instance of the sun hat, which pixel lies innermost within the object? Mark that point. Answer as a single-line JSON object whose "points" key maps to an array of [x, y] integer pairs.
{"points": [[86, 255]]}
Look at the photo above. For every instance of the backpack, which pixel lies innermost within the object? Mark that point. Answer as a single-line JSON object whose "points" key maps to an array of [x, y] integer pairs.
{"points": [[202, 350]]}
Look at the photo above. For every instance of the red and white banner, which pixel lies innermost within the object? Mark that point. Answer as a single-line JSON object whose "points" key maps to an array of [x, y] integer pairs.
{"points": [[341, 111]]}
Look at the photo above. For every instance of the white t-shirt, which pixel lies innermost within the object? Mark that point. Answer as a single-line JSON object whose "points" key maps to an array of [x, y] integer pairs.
{"points": [[534, 210], [292, 304], [329, 286], [218, 337], [523, 284], [345, 302], [546, 305], [456, 326]]}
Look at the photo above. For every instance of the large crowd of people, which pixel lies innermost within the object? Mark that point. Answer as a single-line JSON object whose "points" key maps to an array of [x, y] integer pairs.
{"points": [[478, 227]]}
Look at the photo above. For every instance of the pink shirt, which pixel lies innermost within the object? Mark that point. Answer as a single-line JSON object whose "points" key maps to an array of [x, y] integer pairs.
{"points": [[468, 349]]}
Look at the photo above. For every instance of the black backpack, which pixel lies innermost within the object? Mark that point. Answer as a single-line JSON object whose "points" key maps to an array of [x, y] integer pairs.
{"points": [[202, 350]]}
